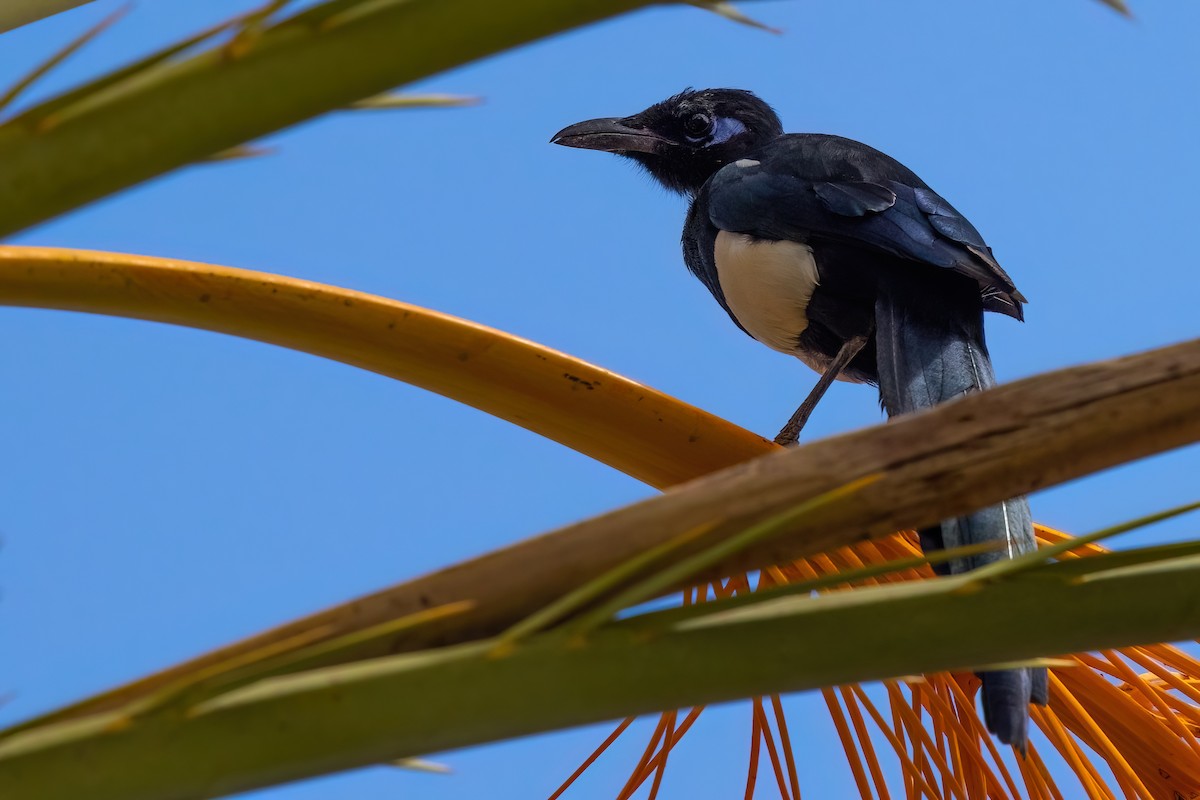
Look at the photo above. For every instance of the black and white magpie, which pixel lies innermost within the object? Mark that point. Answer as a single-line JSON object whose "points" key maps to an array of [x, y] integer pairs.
{"points": [[831, 251]]}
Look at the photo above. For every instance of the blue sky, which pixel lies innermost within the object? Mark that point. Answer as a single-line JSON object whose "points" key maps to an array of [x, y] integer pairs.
{"points": [[168, 490]]}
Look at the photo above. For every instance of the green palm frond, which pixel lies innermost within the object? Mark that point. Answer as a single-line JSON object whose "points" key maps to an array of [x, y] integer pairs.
{"points": [[403, 706]]}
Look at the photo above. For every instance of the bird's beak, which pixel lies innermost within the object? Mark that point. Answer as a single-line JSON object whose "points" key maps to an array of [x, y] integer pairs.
{"points": [[611, 135]]}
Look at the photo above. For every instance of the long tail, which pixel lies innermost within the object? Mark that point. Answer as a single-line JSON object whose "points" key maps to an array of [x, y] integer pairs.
{"points": [[930, 348]]}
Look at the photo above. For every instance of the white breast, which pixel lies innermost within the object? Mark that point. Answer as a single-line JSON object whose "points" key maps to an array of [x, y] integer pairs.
{"points": [[767, 286]]}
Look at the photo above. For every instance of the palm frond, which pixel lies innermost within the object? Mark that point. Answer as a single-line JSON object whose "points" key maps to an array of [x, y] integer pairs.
{"points": [[15, 13], [68, 152], [402, 706], [1065, 424]]}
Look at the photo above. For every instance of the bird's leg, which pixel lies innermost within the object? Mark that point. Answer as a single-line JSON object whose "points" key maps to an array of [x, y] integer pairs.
{"points": [[791, 431]]}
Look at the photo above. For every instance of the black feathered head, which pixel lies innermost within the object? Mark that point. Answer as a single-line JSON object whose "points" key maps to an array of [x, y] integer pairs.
{"points": [[684, 139]]}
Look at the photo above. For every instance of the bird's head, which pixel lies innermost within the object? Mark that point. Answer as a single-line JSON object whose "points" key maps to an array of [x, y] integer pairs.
{"points": [[684, 139]]}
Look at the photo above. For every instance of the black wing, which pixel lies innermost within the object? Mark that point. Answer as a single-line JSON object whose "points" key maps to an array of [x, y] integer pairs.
{"points": [[808, 187]]}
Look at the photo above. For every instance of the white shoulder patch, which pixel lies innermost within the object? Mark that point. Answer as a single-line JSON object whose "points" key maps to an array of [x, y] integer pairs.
{"points": [[746, 162], [767, 285]]}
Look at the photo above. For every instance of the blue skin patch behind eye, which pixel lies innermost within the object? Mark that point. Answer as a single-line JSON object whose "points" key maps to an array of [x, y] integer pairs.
{"points": [[725, 128]]}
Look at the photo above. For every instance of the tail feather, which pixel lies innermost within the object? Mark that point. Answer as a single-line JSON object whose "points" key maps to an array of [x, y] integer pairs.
{"points": [[1006, 694], [930, 349]]}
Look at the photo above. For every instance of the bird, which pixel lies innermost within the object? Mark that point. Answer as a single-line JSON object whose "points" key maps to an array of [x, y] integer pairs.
{"points": [[833, 252]]}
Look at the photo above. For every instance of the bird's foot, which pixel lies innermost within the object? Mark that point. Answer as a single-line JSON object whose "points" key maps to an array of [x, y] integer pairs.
{"points": [[789, 436]]}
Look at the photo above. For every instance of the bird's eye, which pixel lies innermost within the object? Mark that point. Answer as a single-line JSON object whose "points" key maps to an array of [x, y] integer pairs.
{"points": [[698, 125]]}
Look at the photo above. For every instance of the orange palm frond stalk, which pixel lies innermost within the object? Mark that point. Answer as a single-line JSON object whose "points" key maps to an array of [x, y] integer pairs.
{"points": [[1124, 722], [633, 428]]}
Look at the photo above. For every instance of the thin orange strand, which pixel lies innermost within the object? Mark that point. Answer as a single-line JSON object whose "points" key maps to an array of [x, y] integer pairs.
{"points": [[974, 781], [848, 745], [967, 736], [769, 738], [752, 771], [692, 716], [668, 735], [804, 570], [827, 567], [948, 748], [1145, 660], [641, 765], [1063, 721], [1099, 664], [927, 743], [964, 739], [1142, 684], [665, 751], [1145, 743], [1062, 742], [942, 732], [1114, 757], [612, 737], [1043, 773], [668, 721], [777, 576], [901, 732], [1156, 698], [850, 696], [735, 585], [927, 780], [785, 743], [905, 733], [1028, 774], [1169, 654]]}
